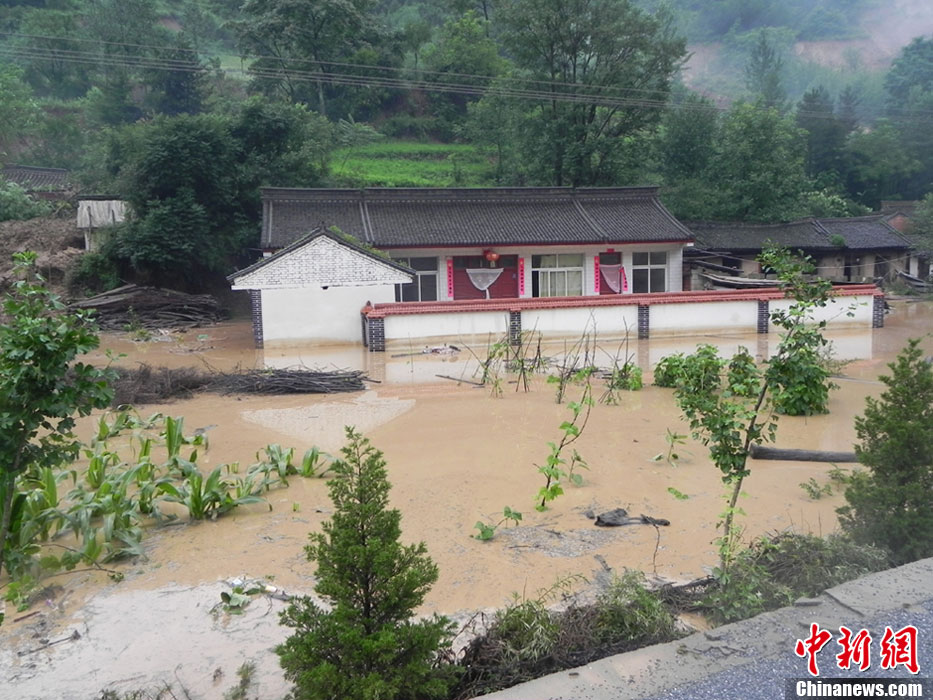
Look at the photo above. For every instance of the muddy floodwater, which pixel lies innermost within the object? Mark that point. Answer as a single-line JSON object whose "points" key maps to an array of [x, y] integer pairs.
{"points": [[456, 454]]}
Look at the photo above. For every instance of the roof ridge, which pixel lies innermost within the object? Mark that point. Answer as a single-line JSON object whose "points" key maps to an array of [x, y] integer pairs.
{"points": [[590, 220]]}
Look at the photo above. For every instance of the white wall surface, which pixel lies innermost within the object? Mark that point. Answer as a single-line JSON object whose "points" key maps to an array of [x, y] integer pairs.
{"points": [[450, 326], [318, 315], [676, 318]]}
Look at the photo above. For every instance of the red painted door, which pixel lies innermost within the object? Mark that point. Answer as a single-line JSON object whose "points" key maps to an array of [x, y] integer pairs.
{"points": [[505, 286]]}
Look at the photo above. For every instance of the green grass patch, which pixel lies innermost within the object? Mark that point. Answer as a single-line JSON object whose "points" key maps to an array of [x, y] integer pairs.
{"points": [[407, 164]]}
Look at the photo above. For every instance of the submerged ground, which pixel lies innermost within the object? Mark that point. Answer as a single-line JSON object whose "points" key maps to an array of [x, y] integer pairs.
{"points": [[456, 454]]}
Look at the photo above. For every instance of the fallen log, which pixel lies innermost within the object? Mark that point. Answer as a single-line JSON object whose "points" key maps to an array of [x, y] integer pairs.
{"points": [[759, 452]]}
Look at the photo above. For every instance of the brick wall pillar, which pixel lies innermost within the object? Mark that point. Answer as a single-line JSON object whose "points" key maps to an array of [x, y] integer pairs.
{"points": [[764, 316], [644, 312], [377, 334], [515, 327], [255, 305], [877, 313]]}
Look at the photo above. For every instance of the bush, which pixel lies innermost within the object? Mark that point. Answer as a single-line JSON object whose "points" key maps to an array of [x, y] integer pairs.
{"points": [[773, 572], [366, 645], [891, 505], [16, 204], [800, 376], [669, 371], [629, 612], [91, 274]]}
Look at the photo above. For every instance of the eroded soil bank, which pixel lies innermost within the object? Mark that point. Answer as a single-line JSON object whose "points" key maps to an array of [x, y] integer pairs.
{"points": [[455, 455]]}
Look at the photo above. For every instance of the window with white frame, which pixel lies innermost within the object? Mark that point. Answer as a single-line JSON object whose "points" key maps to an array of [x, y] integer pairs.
{"points": [[424, 286], [649, 272], [557, 275]]}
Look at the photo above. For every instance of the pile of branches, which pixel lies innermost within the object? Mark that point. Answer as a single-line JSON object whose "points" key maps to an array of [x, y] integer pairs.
{"points": [[145, 384], [289, 381], [132, 307]]}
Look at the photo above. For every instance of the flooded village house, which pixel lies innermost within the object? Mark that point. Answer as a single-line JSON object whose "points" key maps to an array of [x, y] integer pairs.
{"points": [[381, 265]]}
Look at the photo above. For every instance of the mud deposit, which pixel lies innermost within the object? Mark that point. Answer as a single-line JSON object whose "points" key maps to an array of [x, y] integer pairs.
{"points": [[455, 455]]}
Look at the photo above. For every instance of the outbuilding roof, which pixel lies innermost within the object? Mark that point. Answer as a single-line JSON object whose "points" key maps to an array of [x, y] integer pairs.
{"points": [[858, 233], [434, 217], [35, 179]]}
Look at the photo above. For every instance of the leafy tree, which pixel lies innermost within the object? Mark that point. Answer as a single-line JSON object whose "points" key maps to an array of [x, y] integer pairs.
{"points": [[18, 110], [911, 70], [366, 645], [192, 182], [877, 165], [731, 407], [293, 43], [49, 41], [891, 505], [617, 56], [463, 48], [687, 138], [42, 388], [758, 169]]}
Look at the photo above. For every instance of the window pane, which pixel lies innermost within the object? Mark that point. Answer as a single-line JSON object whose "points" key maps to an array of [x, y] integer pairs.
{"points": [[574, 283], [428, 284], [640, 281], [610, 258], [657, 280], [409, 292], [639, 258], [659, 258], [570, 260], [559, 286], [423, 264]]}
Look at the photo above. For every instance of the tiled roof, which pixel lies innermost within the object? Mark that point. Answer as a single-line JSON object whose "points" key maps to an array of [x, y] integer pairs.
{"points": [[408, 217], [304, 240], [859, 233], [37, 179]]}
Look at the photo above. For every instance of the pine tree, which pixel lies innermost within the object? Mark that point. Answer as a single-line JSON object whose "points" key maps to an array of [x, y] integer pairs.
{"points": [[892, 504], [366, 646]]}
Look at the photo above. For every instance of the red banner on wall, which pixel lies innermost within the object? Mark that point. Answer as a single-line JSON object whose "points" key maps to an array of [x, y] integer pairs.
{"points": [[450, 278], [521, 276]]}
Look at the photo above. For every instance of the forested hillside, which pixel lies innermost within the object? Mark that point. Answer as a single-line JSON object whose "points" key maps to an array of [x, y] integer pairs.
{"points": [[758, 110]]}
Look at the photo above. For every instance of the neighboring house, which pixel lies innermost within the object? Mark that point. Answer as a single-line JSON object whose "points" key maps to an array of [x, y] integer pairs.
{"points": [[41, 183], [855, 249], [900, 215], [471, 244], [96, 215]]}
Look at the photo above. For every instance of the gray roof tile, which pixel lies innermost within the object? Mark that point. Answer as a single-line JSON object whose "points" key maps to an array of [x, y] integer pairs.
{"points": [[37, 179], [859, 233], [397, 218]]}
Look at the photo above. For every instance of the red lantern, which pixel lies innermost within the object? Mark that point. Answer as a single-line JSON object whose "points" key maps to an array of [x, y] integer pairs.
{"points": [[491, 255]]}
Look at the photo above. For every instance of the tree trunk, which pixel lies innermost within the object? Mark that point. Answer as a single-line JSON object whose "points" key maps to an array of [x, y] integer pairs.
{"points": [[759, 452]]}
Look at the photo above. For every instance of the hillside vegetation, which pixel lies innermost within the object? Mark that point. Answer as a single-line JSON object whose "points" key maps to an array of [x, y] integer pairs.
{"points": [[763, 110]]}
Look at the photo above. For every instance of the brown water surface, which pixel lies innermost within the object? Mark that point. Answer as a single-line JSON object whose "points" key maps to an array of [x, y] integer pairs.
{"points": [[455, 455]]}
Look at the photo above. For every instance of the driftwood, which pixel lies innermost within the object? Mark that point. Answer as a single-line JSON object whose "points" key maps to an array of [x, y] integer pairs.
{"points": [[150, 308], [619, 516], [759, 452]]}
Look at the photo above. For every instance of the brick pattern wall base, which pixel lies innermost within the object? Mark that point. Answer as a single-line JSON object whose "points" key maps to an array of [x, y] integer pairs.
{"points": [[255, 306], [644, 312], [877, 313], [515, 327], [764, 316], [377, 335]]}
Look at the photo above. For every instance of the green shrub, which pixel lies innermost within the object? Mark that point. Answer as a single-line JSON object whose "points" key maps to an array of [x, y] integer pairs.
{"points": [[669, 371], [92, 273], [16, 204], [891, 504], [800, 376], [773, 572], [629, 612]]}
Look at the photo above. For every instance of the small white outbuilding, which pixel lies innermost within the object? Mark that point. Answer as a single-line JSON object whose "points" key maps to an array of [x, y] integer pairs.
{"points": [[314, 289]]}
